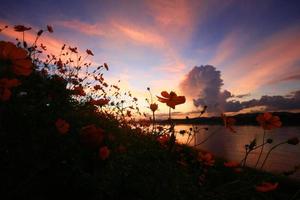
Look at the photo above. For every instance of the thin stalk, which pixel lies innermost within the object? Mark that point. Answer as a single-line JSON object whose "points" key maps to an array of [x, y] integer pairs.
{"points": [[248, 152], [153, 124], [269, 152], [262, 149], [213, 133]]}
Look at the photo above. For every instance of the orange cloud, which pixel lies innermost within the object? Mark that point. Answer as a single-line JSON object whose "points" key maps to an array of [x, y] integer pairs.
{"points": [[88, 29], [140, 35], [272, 58]]}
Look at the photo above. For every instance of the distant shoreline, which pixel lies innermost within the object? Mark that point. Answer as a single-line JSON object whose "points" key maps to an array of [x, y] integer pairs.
{"points": [[287, 119]]}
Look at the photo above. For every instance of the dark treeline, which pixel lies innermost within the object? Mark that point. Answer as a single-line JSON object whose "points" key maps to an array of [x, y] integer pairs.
{"points": [[287, 118]]}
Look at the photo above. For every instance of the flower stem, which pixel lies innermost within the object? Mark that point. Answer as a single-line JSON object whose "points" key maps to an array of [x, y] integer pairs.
{"points": [[269, 152], [153, 122], [261, 150]]}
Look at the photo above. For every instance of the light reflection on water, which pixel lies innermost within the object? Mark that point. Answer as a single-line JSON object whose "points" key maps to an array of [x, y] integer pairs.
{"points": [[231, 145]]}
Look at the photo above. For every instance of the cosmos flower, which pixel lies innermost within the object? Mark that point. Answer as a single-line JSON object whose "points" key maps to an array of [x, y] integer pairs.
{"points": [[78, 90], [231, 164], [268, 122], [99, 102], [104, 153], [50, 29], [207, 158], [163, 139], [266, 187], [15, 58], [21, 28], [97, 87], [62, 126], [91, 136], [171, 99], [153, 107], [89, 52], [5, 86]]}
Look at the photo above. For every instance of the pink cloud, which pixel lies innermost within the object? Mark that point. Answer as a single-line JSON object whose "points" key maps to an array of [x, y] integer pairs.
{"points": [[140, 35], [88, 29], [272, 58]]}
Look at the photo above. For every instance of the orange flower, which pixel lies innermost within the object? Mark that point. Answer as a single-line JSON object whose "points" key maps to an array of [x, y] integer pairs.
{"points": [[73, 49], [171, 99], [266, 187], [163, 139], [50, 29], [91, 136], [9, 83], [78, 90], [231, 164], [89, 52], [21, 28], [228, 122], [16, 58], [268, 122], [207, 158], [5, 86], [99, 102], [4, 94], [59, 63], [153, 107], [97, 87], [62, 126], [104, 153]]}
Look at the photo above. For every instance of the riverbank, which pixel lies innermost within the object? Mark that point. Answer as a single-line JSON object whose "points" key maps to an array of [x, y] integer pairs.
{"points": [[287, 119]]}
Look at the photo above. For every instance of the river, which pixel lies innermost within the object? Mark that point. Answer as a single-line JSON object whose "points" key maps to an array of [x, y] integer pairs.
{"points": [[232, 145]]}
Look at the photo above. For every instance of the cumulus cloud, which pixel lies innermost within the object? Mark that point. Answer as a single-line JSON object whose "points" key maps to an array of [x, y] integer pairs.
{"points": [[203, 85]]}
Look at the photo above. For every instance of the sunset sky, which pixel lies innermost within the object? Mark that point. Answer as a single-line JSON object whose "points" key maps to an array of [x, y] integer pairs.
{"points": [[254, 46]]}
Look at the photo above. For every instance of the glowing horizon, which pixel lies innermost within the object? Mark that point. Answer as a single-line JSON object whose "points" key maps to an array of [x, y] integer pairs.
{"points": [[255, 45]]}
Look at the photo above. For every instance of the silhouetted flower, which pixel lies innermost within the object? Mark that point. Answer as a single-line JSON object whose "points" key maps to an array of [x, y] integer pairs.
{"points": [[231, 164], [104, 153], [171, 99], [21, 28], [78, 90], [73, 49], [89, 52], [153, 107], [5, 86], [16, 58], [163, 139], [62, 126], [50, 29], [268, 121], [207, 158], [99, 102], [266, 187], [91, 136], [97, 87]]}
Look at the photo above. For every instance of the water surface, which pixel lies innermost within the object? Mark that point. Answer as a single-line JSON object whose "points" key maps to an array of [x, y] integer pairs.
{"points": [[231, 145]]}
